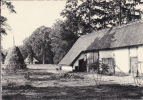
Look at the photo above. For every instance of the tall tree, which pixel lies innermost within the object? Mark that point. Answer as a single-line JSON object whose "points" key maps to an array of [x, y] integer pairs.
{"points": [[63, 38], [23, 50], [40, 43], [92, 15]]}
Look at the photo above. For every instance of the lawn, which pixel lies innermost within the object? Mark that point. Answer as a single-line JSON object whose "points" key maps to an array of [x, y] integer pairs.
{"points": [[45, 84]]}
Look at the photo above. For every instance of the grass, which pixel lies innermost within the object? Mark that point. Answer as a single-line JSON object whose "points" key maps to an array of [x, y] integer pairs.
{"points": [[115, 91], [67, 86]]}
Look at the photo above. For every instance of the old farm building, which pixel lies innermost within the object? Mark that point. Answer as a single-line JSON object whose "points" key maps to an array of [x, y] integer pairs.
{"points": [[121, 48], [34, 61]]}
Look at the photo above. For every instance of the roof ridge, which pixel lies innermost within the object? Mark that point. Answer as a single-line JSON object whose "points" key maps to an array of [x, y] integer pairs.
{"points": [[129, 23], [114, 27]]}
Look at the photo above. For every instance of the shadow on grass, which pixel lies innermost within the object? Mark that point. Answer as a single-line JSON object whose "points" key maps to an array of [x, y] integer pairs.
{"points": [[114, 91]]}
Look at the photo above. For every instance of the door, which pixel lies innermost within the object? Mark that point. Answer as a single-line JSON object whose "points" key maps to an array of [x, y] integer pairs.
{"points": [[134, 65], [110, 63], [82, 65]]}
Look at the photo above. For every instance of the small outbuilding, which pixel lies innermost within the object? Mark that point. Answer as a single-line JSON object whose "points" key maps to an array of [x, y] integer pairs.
{"points": [[121, 48], [27, 61]]}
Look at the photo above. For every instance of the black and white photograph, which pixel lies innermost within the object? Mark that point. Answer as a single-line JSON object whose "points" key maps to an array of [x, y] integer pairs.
{"points": [[71, 49]]}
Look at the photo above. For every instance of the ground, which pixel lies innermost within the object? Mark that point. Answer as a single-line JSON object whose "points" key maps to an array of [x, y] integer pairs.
{"points": [[44, 82]]}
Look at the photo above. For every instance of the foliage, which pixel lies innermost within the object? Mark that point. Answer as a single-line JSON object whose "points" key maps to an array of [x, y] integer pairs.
{"points": [[2, 58], [105, 69], [99, 67], [98, 14], [4, 25], [26, 51], [62, 39], [38, 45], [23, 51]]}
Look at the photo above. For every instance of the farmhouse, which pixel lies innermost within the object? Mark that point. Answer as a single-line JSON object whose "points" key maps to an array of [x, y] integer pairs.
{"points": [[121, 48]]}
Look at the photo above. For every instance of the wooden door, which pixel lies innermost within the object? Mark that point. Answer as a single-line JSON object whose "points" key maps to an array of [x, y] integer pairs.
{"points": [[110, 63], [134, 65]]}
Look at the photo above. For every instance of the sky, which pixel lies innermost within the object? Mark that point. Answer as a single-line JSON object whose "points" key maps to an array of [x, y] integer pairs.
{"points": [[30, 16]]}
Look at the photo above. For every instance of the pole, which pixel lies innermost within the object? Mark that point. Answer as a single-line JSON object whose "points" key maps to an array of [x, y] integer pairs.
{"points": [[13, 41]]}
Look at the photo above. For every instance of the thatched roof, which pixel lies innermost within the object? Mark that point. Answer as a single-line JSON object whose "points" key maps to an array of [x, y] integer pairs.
{"points": [[34, 59], [121, 36], [14, 57]]}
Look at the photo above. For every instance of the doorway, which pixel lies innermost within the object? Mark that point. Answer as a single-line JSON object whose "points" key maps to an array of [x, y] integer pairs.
{"points": [[134, 65], [82, 65]]}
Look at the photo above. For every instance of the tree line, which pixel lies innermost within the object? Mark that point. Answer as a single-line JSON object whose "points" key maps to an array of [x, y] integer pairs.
{"points": [[50, 44]]}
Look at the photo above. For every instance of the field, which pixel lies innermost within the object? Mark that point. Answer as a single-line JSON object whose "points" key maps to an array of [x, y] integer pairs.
{"points": [[44, 82]]}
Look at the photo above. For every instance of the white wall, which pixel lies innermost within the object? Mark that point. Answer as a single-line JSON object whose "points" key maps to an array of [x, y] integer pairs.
{"points": [[89, 56], [67, 68], [121, 57], [140, 58], [133, 52], [140, 53], [105, 54], [122, 60]]}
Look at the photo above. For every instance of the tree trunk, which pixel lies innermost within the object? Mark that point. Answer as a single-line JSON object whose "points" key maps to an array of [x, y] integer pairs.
{"points": [[43, 58]]}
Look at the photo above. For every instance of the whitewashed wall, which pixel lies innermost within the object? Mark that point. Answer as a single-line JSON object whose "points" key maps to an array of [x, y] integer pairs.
{"points": [[122, 60], [133, 52], [91, 58], [121, 57], [82, 56], [140, 53], [140, 59]]}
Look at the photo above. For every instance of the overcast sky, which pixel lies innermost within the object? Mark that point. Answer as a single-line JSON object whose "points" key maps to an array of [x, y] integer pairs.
{"points": [[30, 15]]}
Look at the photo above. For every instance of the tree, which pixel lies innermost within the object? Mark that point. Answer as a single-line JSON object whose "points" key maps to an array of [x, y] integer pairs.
{"points": [[63, 38], [23, 51], [2, 58], [39, 42], [98, 14], [4, 25]]}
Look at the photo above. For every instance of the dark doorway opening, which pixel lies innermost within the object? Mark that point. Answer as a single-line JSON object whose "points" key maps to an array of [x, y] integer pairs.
{"points": [[82, 65]]}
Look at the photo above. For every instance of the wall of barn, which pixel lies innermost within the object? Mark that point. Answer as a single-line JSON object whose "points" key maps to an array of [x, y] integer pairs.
{"points": [[121, 58], [140, 58], [140, 53], [82, 56], [90, 56]]}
